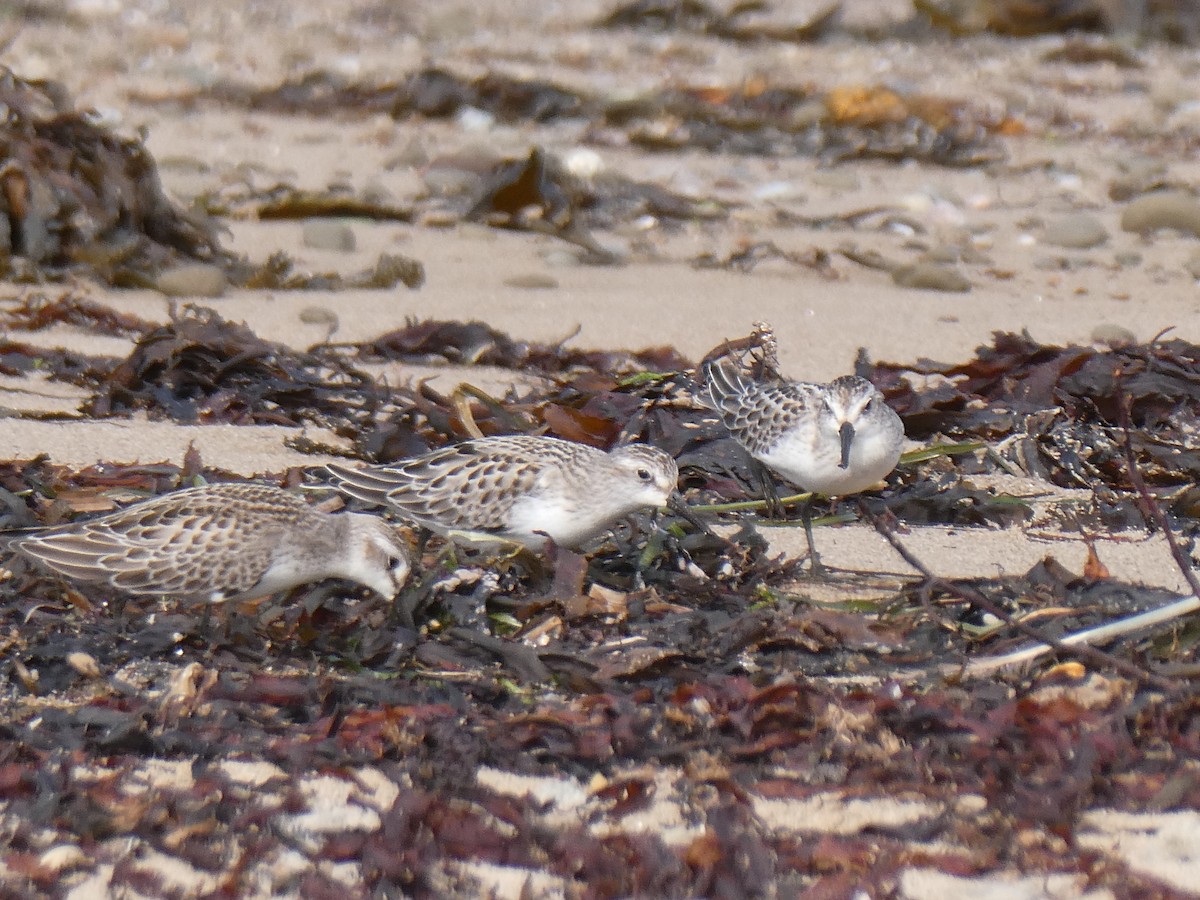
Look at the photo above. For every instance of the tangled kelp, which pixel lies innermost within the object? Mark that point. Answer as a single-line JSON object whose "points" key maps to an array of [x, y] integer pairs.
{"points": [[671, 672], [760, 119], [73, 193]]}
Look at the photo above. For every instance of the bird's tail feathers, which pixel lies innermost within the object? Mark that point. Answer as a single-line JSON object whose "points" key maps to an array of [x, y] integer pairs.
{"points": [[368, 485]]}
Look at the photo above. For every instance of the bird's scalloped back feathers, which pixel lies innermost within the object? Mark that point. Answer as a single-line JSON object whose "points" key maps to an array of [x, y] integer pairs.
{"points": [[472, 485], [755, 414], [170, 544]]}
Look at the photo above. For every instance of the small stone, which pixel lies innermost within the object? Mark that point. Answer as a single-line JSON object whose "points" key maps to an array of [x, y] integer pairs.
{"points": [[470, 118], [1080, 231], [583, 162], [945, 254], [63, 858], [439, 218], [1052, 264], [1166, 209], [1127, 259], [1113, 335], [28, 677], [1139, 174], [326, 234], [931, 277], [1192, 266], [192, 280], [84, 663], [319, 315], [779, 191], [533, 281]]}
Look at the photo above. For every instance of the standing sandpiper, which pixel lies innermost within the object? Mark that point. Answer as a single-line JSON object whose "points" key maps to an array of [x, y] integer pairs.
{"points": [[834, 439]]}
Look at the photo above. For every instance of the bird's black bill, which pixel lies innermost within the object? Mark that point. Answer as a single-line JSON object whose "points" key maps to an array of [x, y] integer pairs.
{"points": [[676, 505], [846, 433]]}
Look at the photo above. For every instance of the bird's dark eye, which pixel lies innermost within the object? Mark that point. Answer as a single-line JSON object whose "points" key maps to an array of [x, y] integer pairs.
{"points": [[644, 474]]}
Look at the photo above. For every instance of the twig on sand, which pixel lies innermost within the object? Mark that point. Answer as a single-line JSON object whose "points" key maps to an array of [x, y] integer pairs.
{"points": [[1072, 645], [1150, 508]]}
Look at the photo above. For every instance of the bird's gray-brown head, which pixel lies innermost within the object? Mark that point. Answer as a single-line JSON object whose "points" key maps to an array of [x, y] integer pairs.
{"points": [[648, 475], [850, 405], [376, 555]]}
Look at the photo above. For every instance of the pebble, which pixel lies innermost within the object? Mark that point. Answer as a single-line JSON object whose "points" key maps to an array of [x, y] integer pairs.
{"points": [[438, 218], [583, 162], [1052, 264], [1138, 175], [471, 119], [84, 663], [192, 280], [63, 858], [534, 281], [779, 191], [1080, 231], [1113, 335], [1166, 209], [931, 277], [328, 234], [319, 315]]}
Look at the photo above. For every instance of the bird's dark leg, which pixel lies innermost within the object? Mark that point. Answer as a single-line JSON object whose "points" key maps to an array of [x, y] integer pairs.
{"points": [[206, 619], [405, 607], [770, 493], [118, 604], [776, 509], [814, 559]]}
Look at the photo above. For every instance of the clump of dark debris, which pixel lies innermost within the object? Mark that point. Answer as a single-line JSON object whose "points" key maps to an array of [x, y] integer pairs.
{"points": [[760, 119], [73, 194], [1054, 412], [77, 198]]}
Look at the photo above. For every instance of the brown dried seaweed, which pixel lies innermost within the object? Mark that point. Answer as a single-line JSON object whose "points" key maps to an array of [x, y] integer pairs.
{"points": [[757, 119], [74, 195], [672, 653], [201, 368]]}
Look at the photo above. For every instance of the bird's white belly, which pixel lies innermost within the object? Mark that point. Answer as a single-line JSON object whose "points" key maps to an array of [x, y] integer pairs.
{"points": [[533, 520], [813, 465]]}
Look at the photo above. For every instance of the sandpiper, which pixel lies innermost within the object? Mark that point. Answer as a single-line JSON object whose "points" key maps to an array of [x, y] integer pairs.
{"points": [[218, 543], [833, 439], [523, 489]]}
